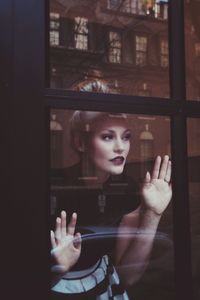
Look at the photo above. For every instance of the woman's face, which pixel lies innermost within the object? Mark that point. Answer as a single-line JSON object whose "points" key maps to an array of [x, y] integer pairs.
{"points": [[109, 145]]}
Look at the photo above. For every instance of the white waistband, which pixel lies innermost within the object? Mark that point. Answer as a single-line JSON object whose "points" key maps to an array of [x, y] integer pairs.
{"points": [[84, 280], [81, 273]]}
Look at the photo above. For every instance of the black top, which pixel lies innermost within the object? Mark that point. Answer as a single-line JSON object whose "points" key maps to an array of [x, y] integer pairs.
{"points": [[99, 210]]}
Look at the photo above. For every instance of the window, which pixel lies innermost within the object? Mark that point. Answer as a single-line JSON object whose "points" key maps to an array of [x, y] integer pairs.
{"points": [[27, 149], [129, 6], [115, 46], [164, 59], [197, 49], [114, 4], [152, 8], [81, 33], [54, 29], [161, 9], [141, 51]]}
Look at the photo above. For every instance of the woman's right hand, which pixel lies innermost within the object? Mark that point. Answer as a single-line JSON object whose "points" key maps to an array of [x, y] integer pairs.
{"points": [[66, 246]]}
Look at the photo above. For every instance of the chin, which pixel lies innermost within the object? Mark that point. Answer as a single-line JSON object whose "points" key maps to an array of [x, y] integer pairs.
{"points": [[117, 171]]}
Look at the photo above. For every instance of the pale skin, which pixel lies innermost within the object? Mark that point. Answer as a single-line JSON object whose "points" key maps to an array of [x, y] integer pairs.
{"points": [[156, 193], [66, 245], [109, 145]]}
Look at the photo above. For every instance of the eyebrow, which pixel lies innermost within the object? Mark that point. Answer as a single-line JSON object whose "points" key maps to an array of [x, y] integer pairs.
{"points": [[113, 131]]}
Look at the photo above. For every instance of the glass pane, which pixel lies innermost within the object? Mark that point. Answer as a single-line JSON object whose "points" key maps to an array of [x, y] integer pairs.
{"points": [[194, 193], [98, 165], [192, 44], [121, 45]]}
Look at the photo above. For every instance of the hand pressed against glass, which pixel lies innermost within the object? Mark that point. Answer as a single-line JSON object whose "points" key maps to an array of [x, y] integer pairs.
{"points": [[157, 190], [66, 245]]}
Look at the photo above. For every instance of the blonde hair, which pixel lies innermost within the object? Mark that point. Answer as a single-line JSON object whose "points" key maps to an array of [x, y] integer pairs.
{"points": [[83, 122]]}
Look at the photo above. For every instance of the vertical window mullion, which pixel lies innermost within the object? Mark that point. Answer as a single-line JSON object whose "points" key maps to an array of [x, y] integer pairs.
{"points": [[183, 272]]}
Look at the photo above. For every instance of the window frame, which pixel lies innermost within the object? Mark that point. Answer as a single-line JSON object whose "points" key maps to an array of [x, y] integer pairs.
{"points": [[26, 97]]}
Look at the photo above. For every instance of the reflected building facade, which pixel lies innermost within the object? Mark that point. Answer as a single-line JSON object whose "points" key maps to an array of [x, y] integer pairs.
{"points": [[123, 42]]}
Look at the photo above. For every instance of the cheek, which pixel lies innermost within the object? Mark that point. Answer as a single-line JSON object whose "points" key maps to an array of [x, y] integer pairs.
{"points": [[102, 149], [98, 148], [128, 147]]}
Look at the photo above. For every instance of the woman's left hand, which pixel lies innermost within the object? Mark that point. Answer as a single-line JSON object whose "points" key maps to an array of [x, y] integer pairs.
{"points": [[156, 189]]}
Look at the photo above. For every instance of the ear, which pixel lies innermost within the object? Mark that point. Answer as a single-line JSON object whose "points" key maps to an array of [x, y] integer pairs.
{"points": [[79, 143]]}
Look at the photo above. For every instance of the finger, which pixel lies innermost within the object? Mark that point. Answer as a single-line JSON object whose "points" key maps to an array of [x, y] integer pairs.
{"points": [[156, 168], [63, 223], [58, 229], [163, 169], [168, 172], [72, 224], [77, 241], [147, 178], [53, 241]]}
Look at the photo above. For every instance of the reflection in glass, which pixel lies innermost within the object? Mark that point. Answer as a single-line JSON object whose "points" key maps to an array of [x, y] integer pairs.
{"points": [[76, 185], [141, 50], [81, 33], [54, 29], [194, 194], [124, 42], [192, 45]]}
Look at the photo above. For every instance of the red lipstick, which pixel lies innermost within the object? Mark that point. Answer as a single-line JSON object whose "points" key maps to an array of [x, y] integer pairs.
{"points": [[118, 160]]}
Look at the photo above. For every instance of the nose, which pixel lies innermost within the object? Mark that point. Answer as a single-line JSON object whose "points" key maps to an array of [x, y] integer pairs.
{"points": [[119, 145]]}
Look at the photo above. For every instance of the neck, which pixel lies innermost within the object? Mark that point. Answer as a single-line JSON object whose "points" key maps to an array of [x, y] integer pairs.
{"points": [[97, 179], [92, 176]]}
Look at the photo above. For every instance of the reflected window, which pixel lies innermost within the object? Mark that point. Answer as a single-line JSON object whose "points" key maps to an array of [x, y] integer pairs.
{"points": [[197, 49], [141, 51], [81, 33], [161, 9], [164, 59], [54, 29], [127, 6], [153, 8], [115, 47], [56, 141]]}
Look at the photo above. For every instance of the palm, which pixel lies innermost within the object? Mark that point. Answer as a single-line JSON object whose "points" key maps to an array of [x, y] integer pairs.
{"points": [[156, 190], [66, 254], [66, 247]]}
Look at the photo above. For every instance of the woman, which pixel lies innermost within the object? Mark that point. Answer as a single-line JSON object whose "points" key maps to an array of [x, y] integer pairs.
{"points": [[86, 272]]}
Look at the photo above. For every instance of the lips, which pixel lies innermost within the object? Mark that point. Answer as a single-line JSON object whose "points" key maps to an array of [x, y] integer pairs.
{"points": [[118, 160]]}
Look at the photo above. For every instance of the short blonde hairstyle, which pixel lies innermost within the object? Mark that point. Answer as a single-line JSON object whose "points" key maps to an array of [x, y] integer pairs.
{"points": [[82, 123]]}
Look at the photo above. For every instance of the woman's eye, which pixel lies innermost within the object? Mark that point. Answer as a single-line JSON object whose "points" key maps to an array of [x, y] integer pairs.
{"points": [[107, 137], [127, 137]]}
